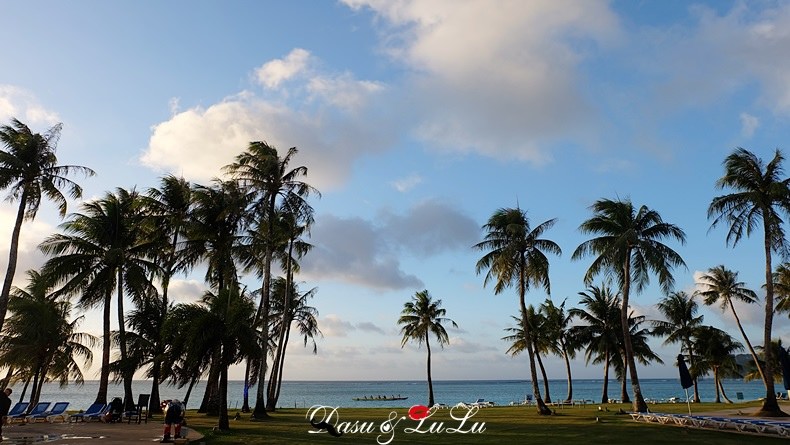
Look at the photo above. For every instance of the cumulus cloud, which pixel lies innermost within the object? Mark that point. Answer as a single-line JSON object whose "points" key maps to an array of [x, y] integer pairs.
{"points": [[21, 104], [271, 74], [370, 327], [319, 115], [186, 291], [501, 81], [362, 252], [333, 326]]}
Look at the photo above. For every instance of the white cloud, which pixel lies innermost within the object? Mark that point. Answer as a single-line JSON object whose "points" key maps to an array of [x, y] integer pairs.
{"points": [[501, 81], [186, 291], [31, 235], [271, 74], [333, 326], [21, 104], [749, 124]]}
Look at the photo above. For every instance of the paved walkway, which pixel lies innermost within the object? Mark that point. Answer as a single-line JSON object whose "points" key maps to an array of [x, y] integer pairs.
{"points": [[90, 433]]}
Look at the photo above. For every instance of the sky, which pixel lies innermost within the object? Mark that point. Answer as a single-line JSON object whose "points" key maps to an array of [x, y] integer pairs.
{"points": [[416, 120]]}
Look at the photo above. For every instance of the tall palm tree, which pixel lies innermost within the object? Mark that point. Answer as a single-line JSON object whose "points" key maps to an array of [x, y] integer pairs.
{"points": [[284, 316], [420, 318], [538, 340], [629, 248], [562, 341], [601, 331], [29, 169], [643, 353], [721, 285], [716, 350], [760, 196], [681, 320], [269, 180], [41, 339], [103, 249], [781, 279], [516, 256], [169, 207], [214, 235]]}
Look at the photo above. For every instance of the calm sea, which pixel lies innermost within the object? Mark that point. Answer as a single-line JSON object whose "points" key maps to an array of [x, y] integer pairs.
{"points": [[340, 393]]}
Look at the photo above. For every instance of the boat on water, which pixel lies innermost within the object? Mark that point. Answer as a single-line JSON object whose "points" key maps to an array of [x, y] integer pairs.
{"points": [[378, 398]]}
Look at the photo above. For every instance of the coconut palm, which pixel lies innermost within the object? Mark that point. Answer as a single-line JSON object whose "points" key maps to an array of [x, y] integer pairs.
{"points": [[600, 332], [721, 285], [561, 339], [538, 340], [629, 248], [29, 169], [214, 236], [643, 353], [420, 318], [516, 256], [679, 325], [716, 350], [104, 249], [760, 197], [169, 207], [781, 279], [284, 316], [269, 181], [41, 339]]}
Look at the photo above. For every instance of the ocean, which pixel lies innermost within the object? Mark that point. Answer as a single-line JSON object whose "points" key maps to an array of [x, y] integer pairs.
{"points": [[303, 394]]}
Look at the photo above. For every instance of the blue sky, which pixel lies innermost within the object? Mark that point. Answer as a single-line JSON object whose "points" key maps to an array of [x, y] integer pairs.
{"points": [[416, 120]]}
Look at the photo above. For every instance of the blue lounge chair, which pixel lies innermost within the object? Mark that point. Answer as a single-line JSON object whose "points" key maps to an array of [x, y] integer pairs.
{"points": [[18, 409], [58, 410], [96, 408], [40, 408]]}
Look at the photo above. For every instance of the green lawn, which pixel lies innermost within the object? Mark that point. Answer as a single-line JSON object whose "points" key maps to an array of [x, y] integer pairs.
{"points": [[571, 425]]}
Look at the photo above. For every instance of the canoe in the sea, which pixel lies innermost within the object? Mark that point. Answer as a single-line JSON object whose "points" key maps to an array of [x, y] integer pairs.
{"points": [[378, 399]]}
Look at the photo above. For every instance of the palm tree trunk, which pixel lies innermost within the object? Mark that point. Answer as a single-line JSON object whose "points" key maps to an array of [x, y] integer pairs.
{"points": [[126, 372], [724, 394], [624, 397], [245, 406], [104, 375], [210, 403], [13, 255], [748, 343], [568, 371], [639, 401], [281, 344], [430, 381], [692, 362], [605, 393], [260, 404], [545, 379], [282, 365], [770, 405], [223, 423], [189, 390], [716, 383], [541, 405]]}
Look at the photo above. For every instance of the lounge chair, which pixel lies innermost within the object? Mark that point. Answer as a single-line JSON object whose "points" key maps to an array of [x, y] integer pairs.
{"points": [[58, 411], [137, 413], [40, 408], [94, 409], [18, 409]]}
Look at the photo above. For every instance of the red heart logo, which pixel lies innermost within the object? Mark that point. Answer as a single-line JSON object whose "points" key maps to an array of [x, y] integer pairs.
{"points": [[418, 412]]}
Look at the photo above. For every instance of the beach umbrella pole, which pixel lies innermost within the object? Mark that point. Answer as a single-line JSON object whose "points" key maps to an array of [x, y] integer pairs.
{"points": [[687, 399]]}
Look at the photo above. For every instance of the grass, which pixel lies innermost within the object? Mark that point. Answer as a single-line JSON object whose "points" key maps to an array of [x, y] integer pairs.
{"points": [[572, 425]]}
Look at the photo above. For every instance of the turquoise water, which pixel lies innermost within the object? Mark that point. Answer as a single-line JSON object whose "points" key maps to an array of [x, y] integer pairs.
{"points": [[340, 393]]}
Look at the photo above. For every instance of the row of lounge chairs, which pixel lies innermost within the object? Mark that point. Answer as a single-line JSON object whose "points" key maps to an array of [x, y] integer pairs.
{"points": [[41, 411], [738, 424], [97, 411]]}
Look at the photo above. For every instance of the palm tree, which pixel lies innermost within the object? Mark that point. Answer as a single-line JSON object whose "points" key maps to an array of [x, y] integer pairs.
{"points": [[516, 256], [284, 316], [214, 235], [29, 168], [103, 249], [601, 331], [760, 197], [562, 342], [268, 180], [781, 279], [629, 248], [716, 350], [643, 353], [420, 318], [41, 339], [539, 340], [681, 320], [721, 285], [169, 207]]}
